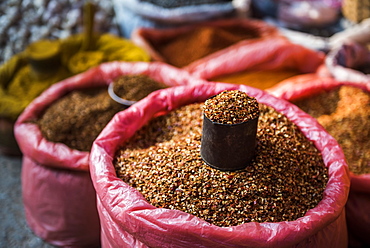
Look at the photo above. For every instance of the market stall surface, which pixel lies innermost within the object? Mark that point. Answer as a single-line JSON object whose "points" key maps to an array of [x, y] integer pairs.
{"points": [[14, 231]]}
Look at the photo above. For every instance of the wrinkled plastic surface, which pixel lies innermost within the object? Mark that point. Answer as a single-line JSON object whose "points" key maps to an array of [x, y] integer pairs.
{"points": [[343, 61], [128, 220], [58, 196], [268, 51], [59, 205], [263, 54], [146, 37], [358, 204]]}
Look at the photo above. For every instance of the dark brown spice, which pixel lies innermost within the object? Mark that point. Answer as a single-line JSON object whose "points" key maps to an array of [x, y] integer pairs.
{"points": [[231, 107], [344, 113], [135, 87], [200, 42], [77, 118], [286, 178]]}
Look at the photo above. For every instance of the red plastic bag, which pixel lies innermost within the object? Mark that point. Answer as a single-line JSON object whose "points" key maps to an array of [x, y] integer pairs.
{"points": [[128, 220], [358, 204], [267, 51], [150, 39], [58, 196]]}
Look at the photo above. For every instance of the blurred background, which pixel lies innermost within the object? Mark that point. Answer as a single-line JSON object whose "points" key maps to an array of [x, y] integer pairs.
{"points": [[311, 24]]}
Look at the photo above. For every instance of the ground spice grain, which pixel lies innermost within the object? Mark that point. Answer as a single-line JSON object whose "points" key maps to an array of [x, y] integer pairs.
{"points": [[344, 113], [231, 107], [136, 87], [263, 79], [200, 42], [77, 118], [162, 160]]}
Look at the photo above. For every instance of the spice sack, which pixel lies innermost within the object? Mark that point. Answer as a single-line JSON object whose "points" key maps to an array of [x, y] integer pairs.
{"points": [[233, 50], [135, 212], [342, 108], [58, 196], [183, 46]]}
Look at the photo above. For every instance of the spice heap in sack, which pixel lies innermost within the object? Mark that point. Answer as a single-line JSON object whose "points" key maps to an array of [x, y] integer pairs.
{"points": [[262, 79], [343, 110], [163, 162], [46, 62], [155, 190], [199, 42], [182, 46], [260, 64], [55, 134], [22, 81], [77, 118], [239, 51]]}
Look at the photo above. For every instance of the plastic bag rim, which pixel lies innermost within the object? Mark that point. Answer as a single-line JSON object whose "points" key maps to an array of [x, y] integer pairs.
{"points": [[34, 145], [98, 175]]}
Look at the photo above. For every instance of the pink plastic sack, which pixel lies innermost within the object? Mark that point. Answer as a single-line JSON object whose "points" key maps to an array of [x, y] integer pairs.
{"points": [[266, 54], [151, 38], [58, 196], [267, 51], [358, 204], [128, 220]]}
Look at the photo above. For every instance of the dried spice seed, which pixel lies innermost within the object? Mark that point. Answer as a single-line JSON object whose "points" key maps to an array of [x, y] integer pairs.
{"points": [[77, 118], [344, 113], [162, 160], [136, 87], [199, 42], [231, 107]]}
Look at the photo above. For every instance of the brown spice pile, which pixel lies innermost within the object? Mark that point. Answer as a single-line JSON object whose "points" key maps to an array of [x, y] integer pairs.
{"points": [[344, 113], [77, 118], [286, 178], [135, 87], [200, 42], [231, 107], [263, 79]]}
